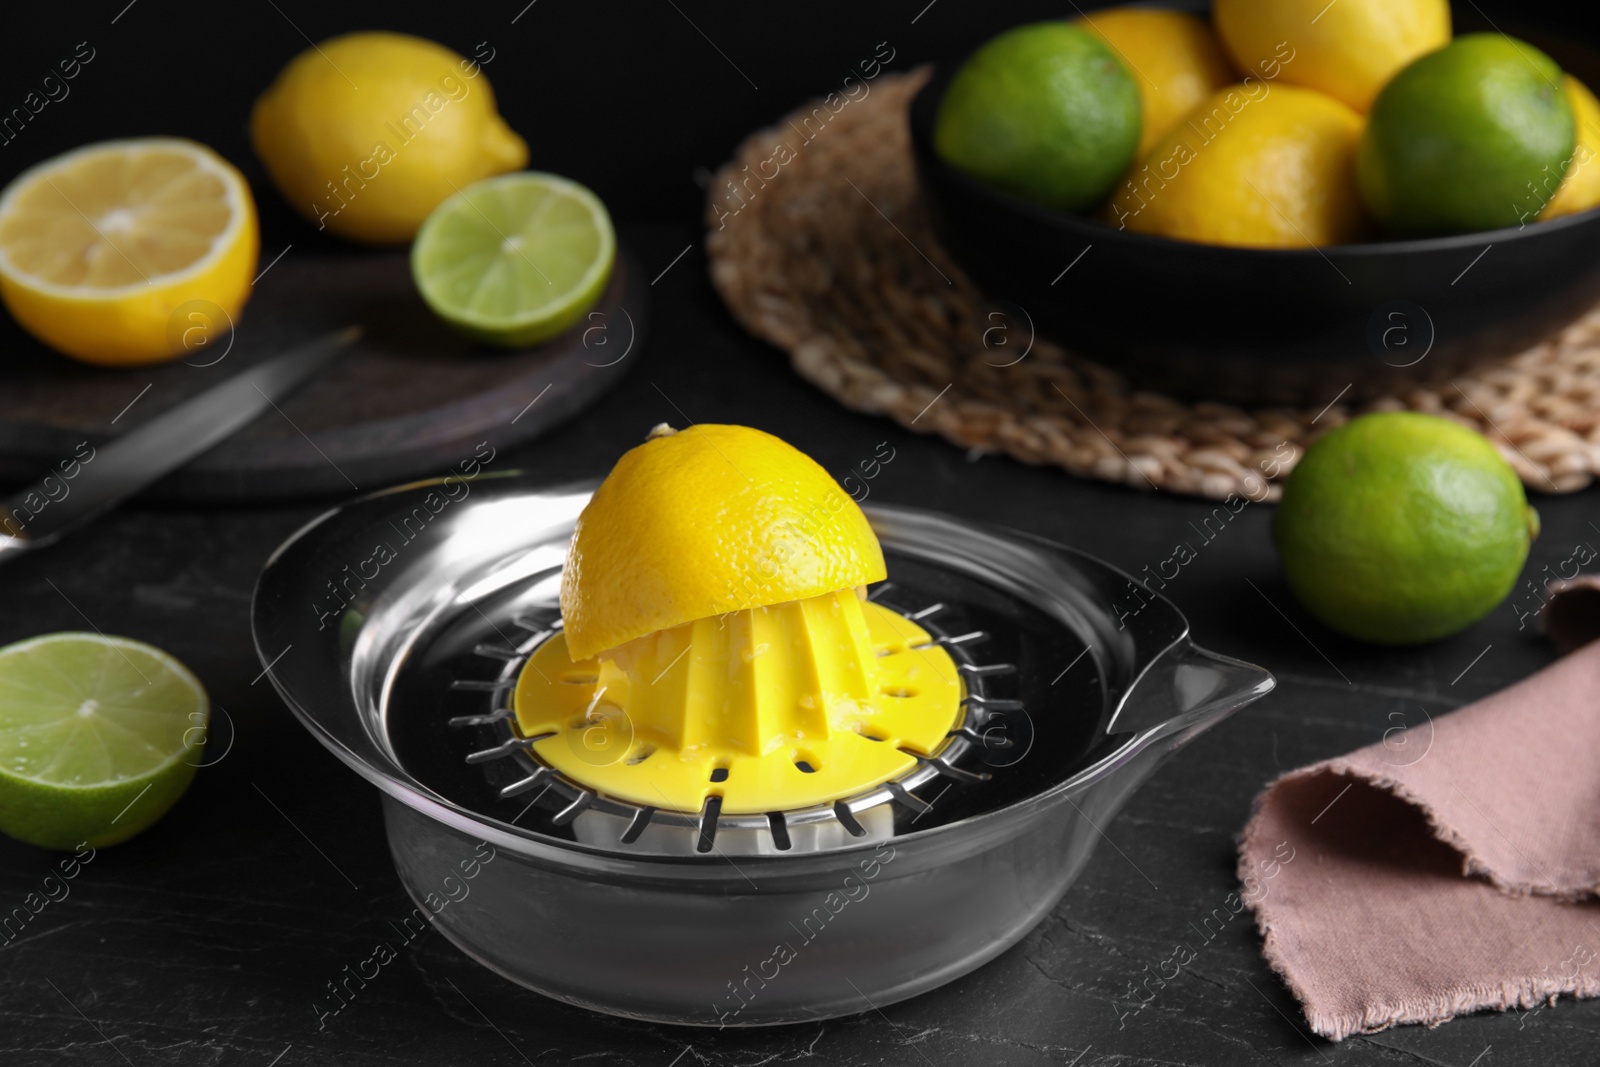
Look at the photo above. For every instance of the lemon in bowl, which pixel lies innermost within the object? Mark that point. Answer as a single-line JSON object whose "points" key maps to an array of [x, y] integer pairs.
{"points": [[367, 133], [1174, 57], [1578, 187], [1348, 49], [1252, 166]]}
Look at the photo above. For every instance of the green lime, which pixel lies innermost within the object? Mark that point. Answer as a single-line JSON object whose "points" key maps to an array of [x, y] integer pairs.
{"points": [[99, 736], [1474, 136], [515, 260], [1045, 111], [1399, 528]]}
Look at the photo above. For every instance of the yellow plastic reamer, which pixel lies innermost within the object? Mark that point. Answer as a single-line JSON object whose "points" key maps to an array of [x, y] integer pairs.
{"points": [[772, 708]]}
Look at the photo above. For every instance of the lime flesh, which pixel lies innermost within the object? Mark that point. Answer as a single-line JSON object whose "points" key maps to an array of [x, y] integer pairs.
{"points": [[99, 736], [1400, 527], [515, 260]]}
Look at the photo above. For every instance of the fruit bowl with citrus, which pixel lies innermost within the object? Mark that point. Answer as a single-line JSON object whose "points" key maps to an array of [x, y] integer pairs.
{"points": [[1301, 196]]}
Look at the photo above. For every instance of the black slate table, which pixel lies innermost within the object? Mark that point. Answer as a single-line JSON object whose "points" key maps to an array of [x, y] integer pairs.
{"points": [[208, 940]]}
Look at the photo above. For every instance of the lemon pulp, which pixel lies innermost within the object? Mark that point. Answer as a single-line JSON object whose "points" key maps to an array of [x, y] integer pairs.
{"points": [[101, 246]]}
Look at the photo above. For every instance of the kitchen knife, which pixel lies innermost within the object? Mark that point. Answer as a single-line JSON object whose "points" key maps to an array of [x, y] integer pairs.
{"points": [[41, 513]]}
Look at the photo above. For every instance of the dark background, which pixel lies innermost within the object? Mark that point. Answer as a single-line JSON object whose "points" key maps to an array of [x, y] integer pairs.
{"points": [[206, 940]]}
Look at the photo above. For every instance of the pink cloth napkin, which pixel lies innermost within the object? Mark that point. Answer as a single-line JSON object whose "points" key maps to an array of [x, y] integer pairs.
{"points": [[1442, 870]]}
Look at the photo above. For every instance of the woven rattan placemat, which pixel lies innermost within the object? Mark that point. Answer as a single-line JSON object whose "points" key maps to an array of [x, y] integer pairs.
{"points": [[819, 244]]}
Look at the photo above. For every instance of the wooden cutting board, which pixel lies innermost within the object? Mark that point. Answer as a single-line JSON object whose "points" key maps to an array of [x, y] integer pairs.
{"points": [[411, 398]]}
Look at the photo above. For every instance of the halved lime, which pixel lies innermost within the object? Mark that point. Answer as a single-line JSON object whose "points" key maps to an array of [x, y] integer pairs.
{"points": [[515, 260], [99, 736]]}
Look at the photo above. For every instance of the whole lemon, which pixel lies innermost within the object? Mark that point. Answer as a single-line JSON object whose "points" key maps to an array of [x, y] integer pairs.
{"points": [[1174, 57], [1579, 186], [367, 133], [1399, 527], [1347, 49], [1255, 165], [1047, 112], [1470, 137]]}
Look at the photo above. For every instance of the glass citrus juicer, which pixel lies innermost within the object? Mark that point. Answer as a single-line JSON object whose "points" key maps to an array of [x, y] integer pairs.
{"points": [[742, 752]]}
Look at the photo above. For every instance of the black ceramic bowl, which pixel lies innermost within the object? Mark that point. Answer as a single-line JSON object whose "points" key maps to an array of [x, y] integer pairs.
{"points": [[1264, 325]]}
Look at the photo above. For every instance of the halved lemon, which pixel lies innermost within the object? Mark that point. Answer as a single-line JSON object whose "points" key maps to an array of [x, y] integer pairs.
{"points": [[703, 522], [115, 253]]}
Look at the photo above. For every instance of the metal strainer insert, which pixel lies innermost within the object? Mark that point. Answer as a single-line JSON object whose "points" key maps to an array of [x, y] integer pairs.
{"points": [[869, 815]]}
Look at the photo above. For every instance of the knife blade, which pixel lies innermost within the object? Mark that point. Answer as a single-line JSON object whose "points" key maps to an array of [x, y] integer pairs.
{"points": [[128, 463]]}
